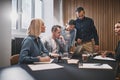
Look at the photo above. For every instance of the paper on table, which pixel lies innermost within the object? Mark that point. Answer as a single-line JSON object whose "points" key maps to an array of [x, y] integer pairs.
{"points": [[51, 60], [65, 58], [44, 66], [72, 61], [103, 58], [95, 53], [95, 66]]}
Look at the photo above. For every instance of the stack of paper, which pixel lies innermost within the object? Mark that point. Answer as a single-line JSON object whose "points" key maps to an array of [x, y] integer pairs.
{"points": [[103, 58], [72, 61], [65, 58], [95, 53], [95, 66], [44, 66]]}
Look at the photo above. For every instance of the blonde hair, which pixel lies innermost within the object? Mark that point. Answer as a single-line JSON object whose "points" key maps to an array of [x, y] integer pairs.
{"points": [[35, 27]]}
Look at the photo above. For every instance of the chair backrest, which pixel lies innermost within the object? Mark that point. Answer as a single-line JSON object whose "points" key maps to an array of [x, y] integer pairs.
{"points": [[16, 45], [14, 59]]}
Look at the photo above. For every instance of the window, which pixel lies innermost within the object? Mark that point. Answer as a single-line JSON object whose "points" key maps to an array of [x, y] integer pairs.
{"points": [[38, 9], [23, 11], [14, 15], [26, 13]]}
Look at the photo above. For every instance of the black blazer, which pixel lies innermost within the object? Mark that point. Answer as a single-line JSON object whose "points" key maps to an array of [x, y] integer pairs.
{"points": [[117, 51]]}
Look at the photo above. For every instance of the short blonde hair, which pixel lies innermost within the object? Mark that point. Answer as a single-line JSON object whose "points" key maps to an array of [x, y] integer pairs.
{"points": [[35, 27]]}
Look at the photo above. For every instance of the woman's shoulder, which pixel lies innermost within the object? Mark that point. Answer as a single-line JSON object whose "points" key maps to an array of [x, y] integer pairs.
{"points": [[28, 39]]}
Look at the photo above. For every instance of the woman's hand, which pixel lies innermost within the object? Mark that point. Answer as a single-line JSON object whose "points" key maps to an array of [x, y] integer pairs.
{"points": [[44, 59], [54, 54]]}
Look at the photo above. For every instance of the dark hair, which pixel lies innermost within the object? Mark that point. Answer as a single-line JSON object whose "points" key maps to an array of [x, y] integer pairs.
{"points": [[79, 9], [71, 22], [55, 27], [118, 21]]}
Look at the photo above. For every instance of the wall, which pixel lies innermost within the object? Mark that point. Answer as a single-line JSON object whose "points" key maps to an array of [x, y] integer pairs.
{"points": [[105, 14], [5, 32], [52, 14], [58, 16]]}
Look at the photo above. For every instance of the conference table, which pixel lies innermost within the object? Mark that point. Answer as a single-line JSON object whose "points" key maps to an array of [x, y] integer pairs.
{"points": [[68, 72]]}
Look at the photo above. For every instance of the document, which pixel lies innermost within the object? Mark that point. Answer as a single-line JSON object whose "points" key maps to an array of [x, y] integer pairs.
{"points": [[51, 60], [44, 66], [65, 58], [103, 58], [95, 66], [95, 53], [72, 61]]}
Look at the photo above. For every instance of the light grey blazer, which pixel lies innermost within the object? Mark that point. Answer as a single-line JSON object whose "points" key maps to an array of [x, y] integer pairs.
{"points": [[49, 46]]}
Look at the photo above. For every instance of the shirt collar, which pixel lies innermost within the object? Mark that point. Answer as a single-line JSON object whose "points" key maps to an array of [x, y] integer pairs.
{"points": [[33, 37], [81, 19]]}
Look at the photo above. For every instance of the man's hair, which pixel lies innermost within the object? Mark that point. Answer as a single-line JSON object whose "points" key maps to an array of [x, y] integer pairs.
{"points": [[118, 21], [71, 22], [55, 27], [79, 9]]}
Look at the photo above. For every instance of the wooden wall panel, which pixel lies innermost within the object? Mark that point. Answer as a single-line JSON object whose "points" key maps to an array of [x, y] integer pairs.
{"points": [[105, 14]]}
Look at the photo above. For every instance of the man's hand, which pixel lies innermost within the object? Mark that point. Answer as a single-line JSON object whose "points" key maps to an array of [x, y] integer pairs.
{"points": [[62, 39], [79, 41], [96, 48]]}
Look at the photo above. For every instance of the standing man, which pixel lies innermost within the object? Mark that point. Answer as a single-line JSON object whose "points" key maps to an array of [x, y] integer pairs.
{"points": [[86, 32]]}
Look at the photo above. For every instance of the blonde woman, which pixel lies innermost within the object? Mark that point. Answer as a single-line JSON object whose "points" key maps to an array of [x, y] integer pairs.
{"points": [[32, 49]]}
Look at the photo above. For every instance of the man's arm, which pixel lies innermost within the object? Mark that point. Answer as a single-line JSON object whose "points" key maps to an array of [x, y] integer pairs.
{"points": [[95, 35]]}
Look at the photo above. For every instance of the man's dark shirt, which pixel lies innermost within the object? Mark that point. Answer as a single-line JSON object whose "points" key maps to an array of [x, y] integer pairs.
{"points": [[86, 30], [117, 52]]}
